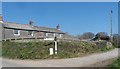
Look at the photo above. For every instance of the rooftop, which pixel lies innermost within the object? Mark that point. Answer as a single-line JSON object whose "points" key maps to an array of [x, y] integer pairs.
{"points": [[30, 27]]}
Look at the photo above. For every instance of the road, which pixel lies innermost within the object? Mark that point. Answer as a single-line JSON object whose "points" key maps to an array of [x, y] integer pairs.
{"points": [[70, 62]]}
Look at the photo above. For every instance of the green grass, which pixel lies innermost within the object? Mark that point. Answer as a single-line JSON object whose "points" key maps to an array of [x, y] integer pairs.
{"points": [[40, 50], [106, 49], [0, 48], [115, 64]]}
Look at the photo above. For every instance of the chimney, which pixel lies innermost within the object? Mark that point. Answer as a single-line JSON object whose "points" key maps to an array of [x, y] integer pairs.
{"points": [[31, 23], [1, 19], [58, 27]]}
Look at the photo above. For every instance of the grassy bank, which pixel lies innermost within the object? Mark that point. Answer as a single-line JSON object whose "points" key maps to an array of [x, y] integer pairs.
{"points": [[0, 48], [40, 50], [115, 64]]}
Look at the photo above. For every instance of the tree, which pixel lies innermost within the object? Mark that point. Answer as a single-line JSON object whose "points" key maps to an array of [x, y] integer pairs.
{"points": [[102, 36], [107, 38], [79, 37], [87, 35], [97, 36]]}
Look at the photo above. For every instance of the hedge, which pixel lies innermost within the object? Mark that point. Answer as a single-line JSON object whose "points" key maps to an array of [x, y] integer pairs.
{"points": [[40, 50]]}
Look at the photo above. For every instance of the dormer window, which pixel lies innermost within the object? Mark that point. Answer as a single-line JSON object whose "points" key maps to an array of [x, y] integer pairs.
{"points": [[30, 33], [16, 32]]}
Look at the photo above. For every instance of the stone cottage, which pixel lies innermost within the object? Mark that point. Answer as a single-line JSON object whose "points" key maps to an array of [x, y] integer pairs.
{"points": [[15, 31], [10, 30]]}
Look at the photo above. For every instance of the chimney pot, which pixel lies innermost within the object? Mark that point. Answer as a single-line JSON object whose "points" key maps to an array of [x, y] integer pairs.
{"points": [[31, 22], [58, 27], [1, 19]]}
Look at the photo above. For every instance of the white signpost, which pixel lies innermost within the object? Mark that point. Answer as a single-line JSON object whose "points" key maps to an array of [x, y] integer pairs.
{"points": [[55, 47], [51, 51]]}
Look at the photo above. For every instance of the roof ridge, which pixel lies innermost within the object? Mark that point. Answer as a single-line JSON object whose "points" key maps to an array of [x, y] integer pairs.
{"points": [[28, 25], [15, 23]]}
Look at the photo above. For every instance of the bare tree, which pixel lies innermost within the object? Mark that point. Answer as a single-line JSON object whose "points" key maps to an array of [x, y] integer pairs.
{"points": [[79, 36], [87, 35]]}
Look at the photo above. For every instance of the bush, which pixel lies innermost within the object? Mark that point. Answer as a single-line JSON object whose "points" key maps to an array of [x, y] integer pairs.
{"points": [[29, 50], [105, 38], [40, 50]]}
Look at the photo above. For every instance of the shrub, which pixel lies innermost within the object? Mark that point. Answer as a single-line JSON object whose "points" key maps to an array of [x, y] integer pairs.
{"points": [[105, 38], [40, 50]]}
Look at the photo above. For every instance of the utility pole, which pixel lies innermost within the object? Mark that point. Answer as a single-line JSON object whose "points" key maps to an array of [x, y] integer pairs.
{"points": [[111, 24]]}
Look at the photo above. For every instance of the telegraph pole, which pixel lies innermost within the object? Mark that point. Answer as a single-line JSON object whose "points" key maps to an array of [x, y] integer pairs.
{"points": [[111, 24]]}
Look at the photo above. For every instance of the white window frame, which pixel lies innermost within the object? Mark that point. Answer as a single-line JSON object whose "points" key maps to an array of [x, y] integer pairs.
{"points": [[54, 34], [31, 33], [46, 34], [61, 35], [16, 34]]}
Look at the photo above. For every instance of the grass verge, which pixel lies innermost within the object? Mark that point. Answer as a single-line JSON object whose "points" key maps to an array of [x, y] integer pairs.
{"points": [[40, 50]]}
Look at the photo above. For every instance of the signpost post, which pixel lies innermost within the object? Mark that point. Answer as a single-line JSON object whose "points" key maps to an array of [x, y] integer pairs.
{"points": [[55, 45], [51, 51]]}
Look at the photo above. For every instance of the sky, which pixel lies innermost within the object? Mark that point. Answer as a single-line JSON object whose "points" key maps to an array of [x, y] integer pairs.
{"points": [[60, 0], [73, 17], [0, 7]]}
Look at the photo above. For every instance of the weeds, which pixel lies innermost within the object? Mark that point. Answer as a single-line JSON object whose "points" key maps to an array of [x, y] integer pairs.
{"points": [[40, 50]]}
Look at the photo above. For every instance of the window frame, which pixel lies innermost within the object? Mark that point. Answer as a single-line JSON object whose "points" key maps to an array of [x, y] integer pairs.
{"points": [[18, 31], [30, 33], [54, 34], [46, 34], [61, 35]]}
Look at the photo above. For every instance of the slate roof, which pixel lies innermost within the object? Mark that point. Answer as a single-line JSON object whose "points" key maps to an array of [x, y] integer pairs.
{"points": [[28, 27]]}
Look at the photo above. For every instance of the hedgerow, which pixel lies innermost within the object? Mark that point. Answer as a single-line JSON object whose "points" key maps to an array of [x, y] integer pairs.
{"points": [[40, 50]]}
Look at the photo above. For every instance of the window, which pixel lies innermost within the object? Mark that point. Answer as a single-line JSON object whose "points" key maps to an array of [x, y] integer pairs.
{"points": [[16, 32], [30, 33], [54, 34], [46, 34], [61, 35], [40, 33], [49, 34]]}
